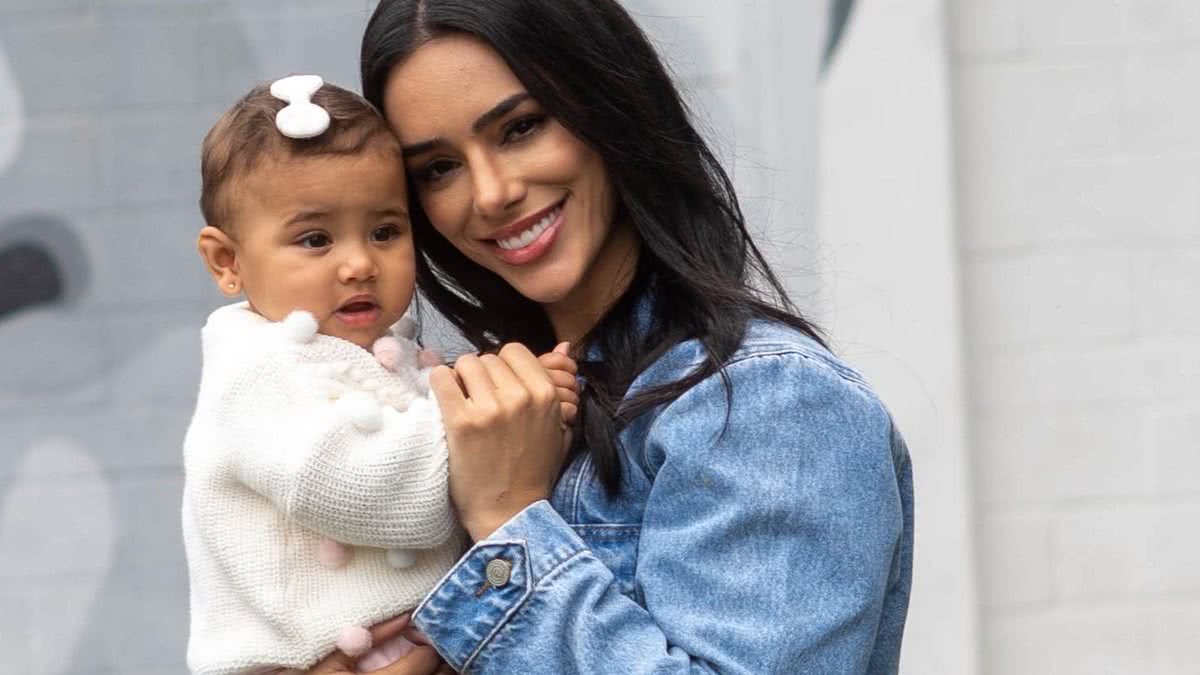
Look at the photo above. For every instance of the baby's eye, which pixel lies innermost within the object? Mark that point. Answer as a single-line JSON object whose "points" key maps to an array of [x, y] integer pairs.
{"points": [[314, 240], [385, 233]]}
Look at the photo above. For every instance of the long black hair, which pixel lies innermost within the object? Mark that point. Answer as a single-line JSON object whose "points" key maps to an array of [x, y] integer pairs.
{"points": [[593, 69]]}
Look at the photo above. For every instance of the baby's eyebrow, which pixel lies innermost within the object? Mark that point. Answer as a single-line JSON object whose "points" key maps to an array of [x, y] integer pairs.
{"points": [[305, 216], [391, 213]]}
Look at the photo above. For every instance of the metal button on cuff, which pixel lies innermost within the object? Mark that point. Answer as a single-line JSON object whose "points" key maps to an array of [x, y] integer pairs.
{"points": [[498, 571]]}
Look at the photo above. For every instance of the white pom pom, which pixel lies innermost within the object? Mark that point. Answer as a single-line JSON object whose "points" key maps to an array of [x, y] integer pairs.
{"points": [[300, 326], [332, 554], [406, 327], [354, 641], [361, 410], [419, 405], [400, 558]]}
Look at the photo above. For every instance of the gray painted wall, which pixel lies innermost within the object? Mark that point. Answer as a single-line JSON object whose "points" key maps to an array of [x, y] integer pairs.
{"points": [[103, 104]]}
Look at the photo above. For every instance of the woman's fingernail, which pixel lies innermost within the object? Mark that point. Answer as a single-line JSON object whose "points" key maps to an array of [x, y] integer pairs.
{"points": [[563, 348]]}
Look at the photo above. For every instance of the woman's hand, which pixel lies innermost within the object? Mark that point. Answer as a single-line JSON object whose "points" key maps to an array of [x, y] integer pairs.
{"points": [[505, 432], [422, 660]]}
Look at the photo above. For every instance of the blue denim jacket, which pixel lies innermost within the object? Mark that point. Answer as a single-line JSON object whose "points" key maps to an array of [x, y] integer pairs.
{"points": [[781, 543]]}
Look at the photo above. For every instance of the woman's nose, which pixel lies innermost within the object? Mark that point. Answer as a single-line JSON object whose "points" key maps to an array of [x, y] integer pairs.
{"points": [[357, 264], [497, 188]]}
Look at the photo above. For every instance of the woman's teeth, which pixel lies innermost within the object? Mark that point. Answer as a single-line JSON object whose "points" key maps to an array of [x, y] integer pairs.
{"points": [[526, 238]]}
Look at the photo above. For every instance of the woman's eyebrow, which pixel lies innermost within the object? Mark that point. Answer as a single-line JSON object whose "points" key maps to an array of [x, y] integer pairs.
{"points": [[499, 110], [419, 148]]}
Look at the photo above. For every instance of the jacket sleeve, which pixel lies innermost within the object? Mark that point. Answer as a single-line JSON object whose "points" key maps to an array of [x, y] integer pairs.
{"points": [[381, 484], [766, 546]]}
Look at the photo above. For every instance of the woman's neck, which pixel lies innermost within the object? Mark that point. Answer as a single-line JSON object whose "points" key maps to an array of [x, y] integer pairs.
{"points": [[610, 275]]}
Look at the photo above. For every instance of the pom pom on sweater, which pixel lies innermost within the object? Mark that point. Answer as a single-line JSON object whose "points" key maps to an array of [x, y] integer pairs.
{"points": [[401, 558], [361, 410], [389, 351], [428, 358], [354, 641], [300, 326], [332, 554]]}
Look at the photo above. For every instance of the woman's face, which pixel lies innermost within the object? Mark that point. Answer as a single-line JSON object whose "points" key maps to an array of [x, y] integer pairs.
{"points": [[507, 185]]}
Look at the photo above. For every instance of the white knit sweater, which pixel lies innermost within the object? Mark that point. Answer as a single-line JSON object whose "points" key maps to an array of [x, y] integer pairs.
{"points": [[298, 436]]}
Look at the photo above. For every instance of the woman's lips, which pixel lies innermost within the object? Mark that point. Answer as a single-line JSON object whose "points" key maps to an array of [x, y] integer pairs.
{"points": [[535, 249]]}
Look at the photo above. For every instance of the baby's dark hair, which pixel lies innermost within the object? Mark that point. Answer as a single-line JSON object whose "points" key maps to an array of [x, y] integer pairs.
{"points": [[246, 135]]}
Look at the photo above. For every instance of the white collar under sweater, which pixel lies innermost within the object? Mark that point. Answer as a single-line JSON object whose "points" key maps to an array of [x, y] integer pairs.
{"points": [[297, 436]]}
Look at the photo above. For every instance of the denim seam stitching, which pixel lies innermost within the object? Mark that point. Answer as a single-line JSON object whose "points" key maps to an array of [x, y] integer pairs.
{"points": [[578, 488], [507, 616]]}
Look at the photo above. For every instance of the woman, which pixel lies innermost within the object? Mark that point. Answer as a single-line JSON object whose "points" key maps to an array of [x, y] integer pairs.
{"points": [[736, 499]]}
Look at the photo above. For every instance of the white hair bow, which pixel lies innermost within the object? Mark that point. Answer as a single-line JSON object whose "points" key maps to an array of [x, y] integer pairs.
{"points": [[301, 118]]}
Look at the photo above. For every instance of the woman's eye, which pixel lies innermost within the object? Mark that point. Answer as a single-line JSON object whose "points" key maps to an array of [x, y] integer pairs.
{"points": [[434, 171], [522, 128], [385, 233], [314, 240]]}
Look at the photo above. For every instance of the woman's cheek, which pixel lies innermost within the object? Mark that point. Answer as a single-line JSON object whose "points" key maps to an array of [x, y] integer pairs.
{"points": [[445, 210]]}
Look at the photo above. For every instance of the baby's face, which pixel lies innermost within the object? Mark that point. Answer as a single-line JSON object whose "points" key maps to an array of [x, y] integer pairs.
{"points": [[329, 235]]}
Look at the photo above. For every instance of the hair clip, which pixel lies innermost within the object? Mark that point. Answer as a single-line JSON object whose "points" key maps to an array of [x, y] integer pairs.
{"points": [[301, 118]]}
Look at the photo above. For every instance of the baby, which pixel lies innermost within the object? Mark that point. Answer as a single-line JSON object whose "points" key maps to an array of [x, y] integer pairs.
{"points": [[316, 501]]}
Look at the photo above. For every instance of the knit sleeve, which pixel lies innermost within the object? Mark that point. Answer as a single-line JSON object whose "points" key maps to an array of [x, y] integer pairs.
{"points": [[349, 468]]}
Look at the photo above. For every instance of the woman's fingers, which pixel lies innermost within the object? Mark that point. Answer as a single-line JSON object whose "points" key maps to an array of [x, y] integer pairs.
{"points": [[531, 373], [447, 390], [476, 382], [499, 372]]}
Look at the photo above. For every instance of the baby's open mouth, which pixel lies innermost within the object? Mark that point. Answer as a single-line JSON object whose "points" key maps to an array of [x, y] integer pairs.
{"points": [[355, 307], [358, 313]]}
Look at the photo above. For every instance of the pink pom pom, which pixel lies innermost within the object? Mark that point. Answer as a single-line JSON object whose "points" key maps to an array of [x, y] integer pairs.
{"points": [[429, 358], [355, 641], [332, 554], [388, 351]]}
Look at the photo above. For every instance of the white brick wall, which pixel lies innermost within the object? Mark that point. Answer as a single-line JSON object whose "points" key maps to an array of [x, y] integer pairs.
{"points": [[1078, 147]]}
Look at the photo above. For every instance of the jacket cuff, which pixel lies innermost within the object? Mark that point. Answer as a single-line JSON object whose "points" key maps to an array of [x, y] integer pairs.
{"points": [[492, 581]]}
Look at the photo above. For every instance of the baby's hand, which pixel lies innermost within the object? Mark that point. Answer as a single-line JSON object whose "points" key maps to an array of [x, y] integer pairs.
{"points": [[562, 369]]}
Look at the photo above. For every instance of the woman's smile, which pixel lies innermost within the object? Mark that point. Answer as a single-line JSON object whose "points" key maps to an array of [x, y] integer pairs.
{"points": [[530, 238]]}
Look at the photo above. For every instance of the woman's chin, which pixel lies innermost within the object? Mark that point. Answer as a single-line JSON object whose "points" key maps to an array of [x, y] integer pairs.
{"points": [[544, 295]]}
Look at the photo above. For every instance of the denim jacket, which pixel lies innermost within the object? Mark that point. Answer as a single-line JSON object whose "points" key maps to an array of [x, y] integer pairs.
{"points": [[777, 539]]}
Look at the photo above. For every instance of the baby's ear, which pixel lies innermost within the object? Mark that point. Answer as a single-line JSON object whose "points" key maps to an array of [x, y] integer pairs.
{"points": [[219, 253]]}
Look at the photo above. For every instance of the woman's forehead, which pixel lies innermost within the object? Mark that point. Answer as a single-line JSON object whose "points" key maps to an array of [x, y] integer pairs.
{"points": [[449, 81], [453, 66]]}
